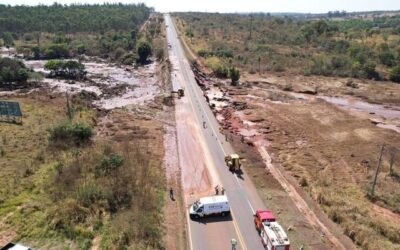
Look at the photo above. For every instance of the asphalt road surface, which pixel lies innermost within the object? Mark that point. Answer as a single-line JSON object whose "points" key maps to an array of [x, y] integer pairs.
{"points": [[215, 233]]}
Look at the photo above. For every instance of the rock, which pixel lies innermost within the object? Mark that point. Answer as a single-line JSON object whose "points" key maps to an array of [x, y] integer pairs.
{"points": [[307, 90]]}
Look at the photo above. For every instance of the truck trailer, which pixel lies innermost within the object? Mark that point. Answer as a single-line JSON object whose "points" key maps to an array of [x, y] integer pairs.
{"points": [[212, 205]]}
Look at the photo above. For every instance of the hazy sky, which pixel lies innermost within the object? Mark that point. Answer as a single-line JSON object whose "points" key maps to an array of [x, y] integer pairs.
{"points": [[313, 6]]}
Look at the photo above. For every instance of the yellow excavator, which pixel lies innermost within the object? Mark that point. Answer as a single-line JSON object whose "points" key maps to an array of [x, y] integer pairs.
{"points": [[233, 162]]}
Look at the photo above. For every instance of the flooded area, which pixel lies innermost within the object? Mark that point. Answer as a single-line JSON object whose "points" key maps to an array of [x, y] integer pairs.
{"points": [[115, 86], [387, 112]]}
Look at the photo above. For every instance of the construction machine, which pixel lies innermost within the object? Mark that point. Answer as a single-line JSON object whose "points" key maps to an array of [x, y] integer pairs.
{"points": [[181, 92], [233, 162]]}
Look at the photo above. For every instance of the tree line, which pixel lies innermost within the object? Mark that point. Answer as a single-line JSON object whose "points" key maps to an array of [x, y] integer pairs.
{"points": [[72, 18]]}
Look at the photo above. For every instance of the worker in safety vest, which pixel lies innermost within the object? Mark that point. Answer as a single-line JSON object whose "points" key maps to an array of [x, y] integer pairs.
{"points": [[233, 242]]}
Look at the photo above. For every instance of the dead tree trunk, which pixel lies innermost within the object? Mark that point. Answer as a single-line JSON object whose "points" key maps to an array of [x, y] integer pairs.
{"points": [[377, 170]]}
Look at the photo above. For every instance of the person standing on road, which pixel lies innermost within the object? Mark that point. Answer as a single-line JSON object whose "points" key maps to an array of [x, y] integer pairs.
{"points": [[216, 190], [171, 194], [222, 190], [233, 243]]}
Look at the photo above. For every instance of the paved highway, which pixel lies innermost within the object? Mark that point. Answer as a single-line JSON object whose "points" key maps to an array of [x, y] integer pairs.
{"points": [[241, 193]]}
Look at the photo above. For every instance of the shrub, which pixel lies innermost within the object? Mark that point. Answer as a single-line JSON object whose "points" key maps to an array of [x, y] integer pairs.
{"points": [[144, 51], [69, 69], [12, 70], [394, 74], [387, 58], [218, 68], [234, 74], [129, 59], [67, 133], [81, 49], [110, 163], [119, 52], [56, 51], [370, 72], [88, 193]]}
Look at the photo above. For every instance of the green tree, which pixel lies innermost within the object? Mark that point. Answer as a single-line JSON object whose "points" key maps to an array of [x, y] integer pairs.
{"points": [[370, 72], [395, 74], [21, 75], [8, 39], [234, 74], [69, 69], [144, 51]]}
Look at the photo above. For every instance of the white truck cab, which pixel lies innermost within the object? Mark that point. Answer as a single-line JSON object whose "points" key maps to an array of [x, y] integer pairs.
{"points": [[212, 205]]}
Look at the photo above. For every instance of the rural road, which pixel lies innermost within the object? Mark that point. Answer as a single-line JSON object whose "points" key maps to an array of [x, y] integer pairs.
{"points": [[215, 233]]}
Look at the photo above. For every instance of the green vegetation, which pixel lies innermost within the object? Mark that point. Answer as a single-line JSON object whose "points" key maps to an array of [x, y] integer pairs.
{"points": [[12, 71], [65, 31], [395, 74], [234, 74], [73, 18], [259, 43], [67, 69], [71, 133], [144, 51], [59, 191]]}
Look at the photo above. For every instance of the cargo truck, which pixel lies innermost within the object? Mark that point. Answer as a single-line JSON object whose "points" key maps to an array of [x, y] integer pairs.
{"points": [[212, 205]]}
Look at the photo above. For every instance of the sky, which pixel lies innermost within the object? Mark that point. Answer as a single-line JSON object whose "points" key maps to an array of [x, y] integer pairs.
{"points": [[304, 6]]}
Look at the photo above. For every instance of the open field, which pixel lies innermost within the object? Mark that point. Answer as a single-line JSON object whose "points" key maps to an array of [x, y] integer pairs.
{"points": [[319, 136]]}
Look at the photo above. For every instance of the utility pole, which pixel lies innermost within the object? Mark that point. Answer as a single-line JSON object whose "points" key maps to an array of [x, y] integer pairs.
{"points": [[251, 26], [392, 160], [69, 108], [377, 170]]}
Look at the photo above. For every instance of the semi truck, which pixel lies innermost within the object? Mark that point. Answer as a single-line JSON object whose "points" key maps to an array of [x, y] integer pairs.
{"points": [[273, 237], [207, 206]]}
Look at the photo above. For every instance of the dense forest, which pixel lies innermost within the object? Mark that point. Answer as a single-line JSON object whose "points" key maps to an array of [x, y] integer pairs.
{"points": [[63, 31], [72, 18], [360, 48]]}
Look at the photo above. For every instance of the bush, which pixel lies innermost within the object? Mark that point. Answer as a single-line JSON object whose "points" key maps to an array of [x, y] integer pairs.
{"points": [[218, 68], [12, 71], [370, 72], [144, 51], [234, 74], [81, 49], [56, 51], [129, 59], [88, 193], [67, 133], [395, 74], [110, 163], [69, 69]]}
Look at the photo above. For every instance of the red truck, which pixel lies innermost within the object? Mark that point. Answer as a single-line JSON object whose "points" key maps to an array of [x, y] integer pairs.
{"points": [[273, 237]]}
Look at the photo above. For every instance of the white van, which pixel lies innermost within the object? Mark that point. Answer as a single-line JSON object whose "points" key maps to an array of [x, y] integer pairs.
{"points": [[212, 205]]}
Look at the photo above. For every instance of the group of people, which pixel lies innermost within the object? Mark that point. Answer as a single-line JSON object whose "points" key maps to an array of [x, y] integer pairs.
{"points": [[217, 190]]}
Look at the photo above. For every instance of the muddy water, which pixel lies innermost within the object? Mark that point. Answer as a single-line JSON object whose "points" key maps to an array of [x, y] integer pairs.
{"points": [[140, 84], [357, 105]]}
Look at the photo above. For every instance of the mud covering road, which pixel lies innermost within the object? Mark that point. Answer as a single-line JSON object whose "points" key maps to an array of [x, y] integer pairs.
{"points": [[194, 139]]}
